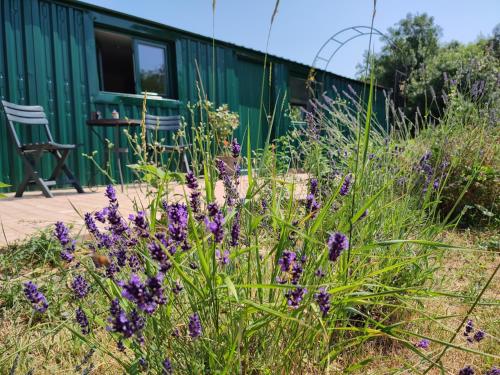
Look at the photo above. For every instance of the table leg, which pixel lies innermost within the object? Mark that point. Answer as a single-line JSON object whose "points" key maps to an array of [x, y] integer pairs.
{"points": [[117, 155]]}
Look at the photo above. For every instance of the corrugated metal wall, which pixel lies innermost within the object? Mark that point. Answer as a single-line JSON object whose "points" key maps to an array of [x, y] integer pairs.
{"points": [[48, 57]]}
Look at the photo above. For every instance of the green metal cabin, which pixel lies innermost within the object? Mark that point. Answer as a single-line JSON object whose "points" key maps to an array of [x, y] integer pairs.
{"points": [[74, 58]]}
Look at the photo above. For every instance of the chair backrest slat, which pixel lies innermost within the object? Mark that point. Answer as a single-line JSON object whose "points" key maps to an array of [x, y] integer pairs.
{"points": [[164, 123], [27, 115], [27, 120], [35, 108]]}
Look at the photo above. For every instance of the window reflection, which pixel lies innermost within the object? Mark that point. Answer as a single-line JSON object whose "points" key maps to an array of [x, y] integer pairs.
{"points": [[152, 68]]}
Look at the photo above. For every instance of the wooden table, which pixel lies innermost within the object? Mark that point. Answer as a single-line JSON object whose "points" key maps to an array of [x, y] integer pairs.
{"points": [[116, 124]]}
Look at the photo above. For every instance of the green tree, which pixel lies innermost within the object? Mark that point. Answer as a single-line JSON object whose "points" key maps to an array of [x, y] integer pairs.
{"points": [[471, 69], [408, 44]]}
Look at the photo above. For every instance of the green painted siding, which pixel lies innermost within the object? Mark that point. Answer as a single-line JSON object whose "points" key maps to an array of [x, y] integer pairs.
{"points": [[48, 57]]}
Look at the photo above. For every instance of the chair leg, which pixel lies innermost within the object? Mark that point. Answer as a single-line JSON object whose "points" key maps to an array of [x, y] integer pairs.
{"points": [[73, 180], [43, 186], [60, 163], [22, 187], [184, 156], [62, 167], [32, 174]]}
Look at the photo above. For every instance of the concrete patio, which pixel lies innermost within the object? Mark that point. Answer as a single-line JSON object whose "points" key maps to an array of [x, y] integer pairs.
{"points": [[22, 217]]}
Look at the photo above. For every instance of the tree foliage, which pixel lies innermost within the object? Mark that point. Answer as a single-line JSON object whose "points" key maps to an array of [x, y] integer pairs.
{"points": [[420, 70]]}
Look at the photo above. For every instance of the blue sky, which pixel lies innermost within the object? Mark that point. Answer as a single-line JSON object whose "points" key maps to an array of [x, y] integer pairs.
{"points": [[302, 26]]}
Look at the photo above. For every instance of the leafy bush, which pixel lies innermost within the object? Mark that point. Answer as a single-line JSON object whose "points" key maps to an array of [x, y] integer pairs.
{"points": [[467, 141], [472, 70]]}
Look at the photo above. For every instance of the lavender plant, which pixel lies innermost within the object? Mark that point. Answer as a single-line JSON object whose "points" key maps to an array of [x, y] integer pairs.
{"points": [[281, 275]]}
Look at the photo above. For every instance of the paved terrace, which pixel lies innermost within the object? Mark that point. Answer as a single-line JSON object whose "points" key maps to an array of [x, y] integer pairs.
{"points": [[22, 217]]}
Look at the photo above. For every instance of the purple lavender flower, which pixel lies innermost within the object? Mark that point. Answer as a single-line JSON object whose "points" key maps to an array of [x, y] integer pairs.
{"points": [[319, 273], [235, 230], [469, 327], [216, 226], [159, 255], [479, 335], [231, 195], [287, 260], [120, 346], [36, 298], [80, 286], [223, 258], [466, 371], [111, 270], [61, 232], [143, 364], [296, 273], [128, 325], [101, 215], [313, 186], [295, 296], [263, 205], [191, 180], [81, 319], [212, 209], [177, 287], [110, 193], [337, 243], [235, 148], [493, 371], [435, 185], [323, 300], [176, 332], [195, 195], [141, 224], [423, 344], [311, 204], [194, 326], [118, 226], [146, 296], [344, 190], [121, 256], [90, 224], [167, 367], [134, 263], [178, 223]]}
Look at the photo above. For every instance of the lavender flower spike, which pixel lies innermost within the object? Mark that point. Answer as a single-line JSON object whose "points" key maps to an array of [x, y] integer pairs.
{"points": [[323, 300], [194, 326], [295, 296], [80, 286], [337, 243], [423, 344], [466, 371], [110, 193], [81, 319], [167, 367], [235, 148], [36, 298], [61, 232], [216, 226], [344, 190]]}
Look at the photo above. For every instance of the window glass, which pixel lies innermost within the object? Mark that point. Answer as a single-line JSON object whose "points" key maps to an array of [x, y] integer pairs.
{"points": [[152, 69], [115, 61], [298, 91]]}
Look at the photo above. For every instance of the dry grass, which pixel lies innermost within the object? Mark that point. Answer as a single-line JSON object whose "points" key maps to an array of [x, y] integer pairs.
{"points": [[47, 351], [461, 273]]}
